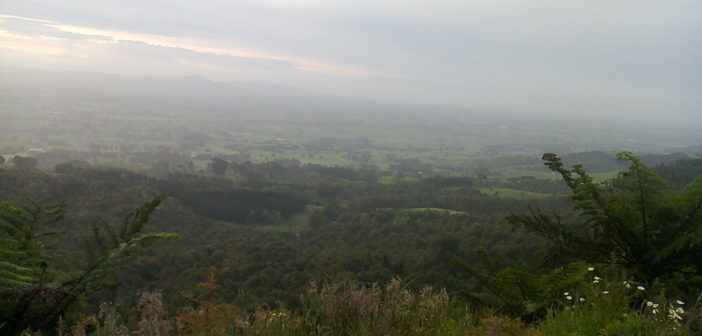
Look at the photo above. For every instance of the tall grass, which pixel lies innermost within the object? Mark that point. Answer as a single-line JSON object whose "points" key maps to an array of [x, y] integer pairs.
{"points": [[597, 308]]}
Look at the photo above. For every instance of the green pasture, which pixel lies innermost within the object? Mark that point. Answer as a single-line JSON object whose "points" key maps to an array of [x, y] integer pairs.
{"points": [[512, 193]]}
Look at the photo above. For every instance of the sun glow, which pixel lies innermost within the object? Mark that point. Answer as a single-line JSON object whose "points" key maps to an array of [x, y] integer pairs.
{"points": [[46, 45]]}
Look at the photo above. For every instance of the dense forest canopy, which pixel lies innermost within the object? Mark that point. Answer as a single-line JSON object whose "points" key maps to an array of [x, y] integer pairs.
{"points": [[270, 230]]}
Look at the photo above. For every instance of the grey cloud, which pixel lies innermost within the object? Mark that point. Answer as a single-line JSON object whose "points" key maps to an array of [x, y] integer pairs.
{"points": [[144, 50], [633, 56]]}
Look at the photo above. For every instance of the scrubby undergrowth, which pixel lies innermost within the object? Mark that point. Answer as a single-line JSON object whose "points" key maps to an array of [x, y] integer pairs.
{"points": [[598, 308]]}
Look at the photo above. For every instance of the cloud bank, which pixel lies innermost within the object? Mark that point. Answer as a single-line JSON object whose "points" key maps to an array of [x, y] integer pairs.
{"points": [[632, 58]]}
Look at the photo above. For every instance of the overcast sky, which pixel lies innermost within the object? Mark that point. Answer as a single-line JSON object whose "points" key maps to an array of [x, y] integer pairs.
{"points": [[628, 57]]}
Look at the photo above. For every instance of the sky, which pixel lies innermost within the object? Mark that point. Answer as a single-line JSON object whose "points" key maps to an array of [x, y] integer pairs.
{"points": [[632, 58]]}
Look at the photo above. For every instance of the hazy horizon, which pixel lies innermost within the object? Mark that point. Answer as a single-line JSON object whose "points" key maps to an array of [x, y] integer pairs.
{"points": [[626, 59]]}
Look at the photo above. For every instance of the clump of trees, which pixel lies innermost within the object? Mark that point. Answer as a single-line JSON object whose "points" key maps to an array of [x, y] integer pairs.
{"points": [[25, 162], [218, 166], [71, 167]]}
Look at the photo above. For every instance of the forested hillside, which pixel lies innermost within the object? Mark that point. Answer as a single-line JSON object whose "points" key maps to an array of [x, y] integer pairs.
{"points": [[283, 240], [282, 232]]}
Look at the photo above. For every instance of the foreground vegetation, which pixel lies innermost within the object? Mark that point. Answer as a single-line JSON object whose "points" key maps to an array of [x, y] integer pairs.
{"points": [[603, 308], [344, 309]]}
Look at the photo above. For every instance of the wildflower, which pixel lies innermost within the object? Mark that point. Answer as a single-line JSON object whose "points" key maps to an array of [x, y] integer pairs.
{"points": [[649, 304], [597, 278], [680, 302], [655, 306], [569, 297], [596, 281], [566, 293], [673, 315], [590, 269], [655, 311], [680, 310], [582, 299], [641, 288], [605, 292]]}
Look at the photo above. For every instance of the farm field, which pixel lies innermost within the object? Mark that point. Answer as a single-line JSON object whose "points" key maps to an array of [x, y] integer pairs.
{"points": [[129, 122]]}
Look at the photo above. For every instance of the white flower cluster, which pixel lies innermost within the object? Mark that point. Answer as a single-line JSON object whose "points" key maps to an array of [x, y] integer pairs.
{"points": [[676, 313], [675, 310], [653, 306]]}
